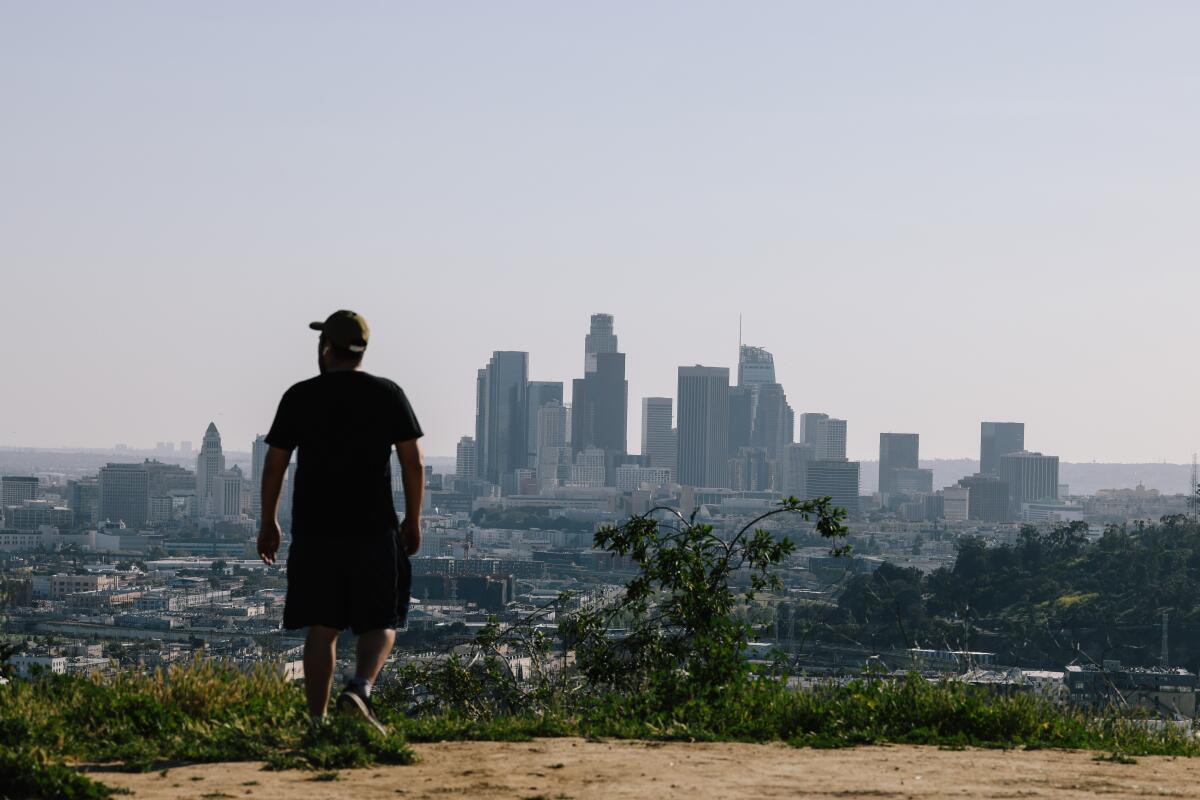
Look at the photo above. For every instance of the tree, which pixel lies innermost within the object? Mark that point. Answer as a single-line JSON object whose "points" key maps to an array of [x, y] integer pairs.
{"points": [[682, 639]]}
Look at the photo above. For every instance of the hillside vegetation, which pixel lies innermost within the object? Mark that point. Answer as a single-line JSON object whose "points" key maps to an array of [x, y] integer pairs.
{"points": [[1050, 599]]}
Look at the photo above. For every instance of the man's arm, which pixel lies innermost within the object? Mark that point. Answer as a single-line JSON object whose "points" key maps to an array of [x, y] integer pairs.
{"points": [[412, 474], [274, 468]]}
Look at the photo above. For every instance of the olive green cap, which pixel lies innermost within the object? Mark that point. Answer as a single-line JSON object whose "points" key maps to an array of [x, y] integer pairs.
{"points": [[344, 329]]}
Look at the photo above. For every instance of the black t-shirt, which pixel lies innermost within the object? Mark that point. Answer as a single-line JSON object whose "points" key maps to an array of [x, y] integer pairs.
{"points": [[342, 426]]}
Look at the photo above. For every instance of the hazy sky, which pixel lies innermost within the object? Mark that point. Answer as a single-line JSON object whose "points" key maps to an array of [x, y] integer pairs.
{"points": [[932, 213]]}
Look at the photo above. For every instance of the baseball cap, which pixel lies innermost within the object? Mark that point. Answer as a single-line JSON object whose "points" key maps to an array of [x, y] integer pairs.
{"points": [[344, 329]]}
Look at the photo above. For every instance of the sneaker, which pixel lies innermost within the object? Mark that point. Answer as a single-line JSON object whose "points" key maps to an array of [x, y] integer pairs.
{"points": [[354, 702]]}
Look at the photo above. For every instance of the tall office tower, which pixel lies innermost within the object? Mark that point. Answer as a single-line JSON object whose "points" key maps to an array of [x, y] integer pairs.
{"points": [[16, 489], [501, 416], [997, 439], [599, 339], [896, 451], [83, 498], [227, 494], [773, 418], [830, 439], [258, 457], [703, 454], [741, 418], [658, 443], [553, 456], [1031, 478], [209, 464], [185, 447], [124, 495], [465, 465], [600, 399], [808, 427], [538, 394], [772, 421], [749, 470], [989, 497], [288, 496], [791, 470], [755, 366], [838, 480]]}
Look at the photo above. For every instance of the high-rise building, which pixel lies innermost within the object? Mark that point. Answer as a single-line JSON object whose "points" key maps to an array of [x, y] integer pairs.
{"points": [[997, 439], [703, 455], [553, 455], [774, 420], [600, 399], [209, 464], [83, 498], [538, 394], [909, 481], [829, 439], [16, 489], [465, 465], [759, 414], [1031, 477], [501, 416], [124, 493], [658, 441], [896, 451], [749, 470], [755, 366], [163, 479], [791, 471], [599, 339], [808, 427], [741, 418], [258, 457], [838, 480], [989, 497]]}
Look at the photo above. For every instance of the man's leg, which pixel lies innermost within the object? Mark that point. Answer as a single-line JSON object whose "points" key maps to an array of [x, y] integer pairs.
{"points": [[373, 649], [320, 655]]}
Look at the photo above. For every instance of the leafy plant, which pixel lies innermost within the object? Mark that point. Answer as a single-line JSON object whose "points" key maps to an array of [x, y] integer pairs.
{"points": [[681, 638]]}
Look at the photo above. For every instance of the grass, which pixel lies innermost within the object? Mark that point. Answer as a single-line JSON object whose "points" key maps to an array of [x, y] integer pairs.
{"points": [[210, 713]]}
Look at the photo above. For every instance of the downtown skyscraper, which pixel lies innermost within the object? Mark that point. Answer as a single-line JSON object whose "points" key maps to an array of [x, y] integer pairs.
{"points": [[600, 399], [658, 436], [703, 456], [998, 439], [501, 416]]}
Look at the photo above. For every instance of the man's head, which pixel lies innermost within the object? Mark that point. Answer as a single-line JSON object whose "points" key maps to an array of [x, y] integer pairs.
{"points": [[343, 341]]}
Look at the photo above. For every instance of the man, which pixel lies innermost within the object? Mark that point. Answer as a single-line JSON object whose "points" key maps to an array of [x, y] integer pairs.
{"points": [[348, 564]]}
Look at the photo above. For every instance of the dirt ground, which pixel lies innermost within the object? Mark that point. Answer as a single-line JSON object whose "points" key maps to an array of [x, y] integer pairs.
{"points": [[557, 769]]}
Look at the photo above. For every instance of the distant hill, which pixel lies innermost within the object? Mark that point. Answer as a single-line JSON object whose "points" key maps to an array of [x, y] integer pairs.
{"points": [[1082, 478]]}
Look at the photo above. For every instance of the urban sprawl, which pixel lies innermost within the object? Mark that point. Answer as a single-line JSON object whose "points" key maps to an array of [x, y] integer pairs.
{"points": [[138, 565]]}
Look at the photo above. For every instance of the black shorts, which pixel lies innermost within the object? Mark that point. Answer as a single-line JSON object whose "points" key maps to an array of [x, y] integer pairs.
{"points": [[360, 583]]}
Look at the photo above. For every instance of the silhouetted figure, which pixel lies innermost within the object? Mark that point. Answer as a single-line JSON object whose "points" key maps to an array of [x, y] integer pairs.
{"points": [[348, 564]]}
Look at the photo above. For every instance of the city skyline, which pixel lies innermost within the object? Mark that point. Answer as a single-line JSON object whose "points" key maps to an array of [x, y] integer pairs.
{"points": [[930, 215]]}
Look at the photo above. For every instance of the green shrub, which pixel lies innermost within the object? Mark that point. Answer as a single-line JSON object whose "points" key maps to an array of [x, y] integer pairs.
{"points": [[30, 774]]}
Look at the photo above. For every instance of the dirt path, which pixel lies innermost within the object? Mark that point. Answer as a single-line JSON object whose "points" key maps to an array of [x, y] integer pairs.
{"points": [[557, 769]]}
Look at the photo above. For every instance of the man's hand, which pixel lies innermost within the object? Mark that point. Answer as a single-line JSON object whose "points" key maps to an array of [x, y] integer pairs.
{"points": [[410, 535], [269, 536]]}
